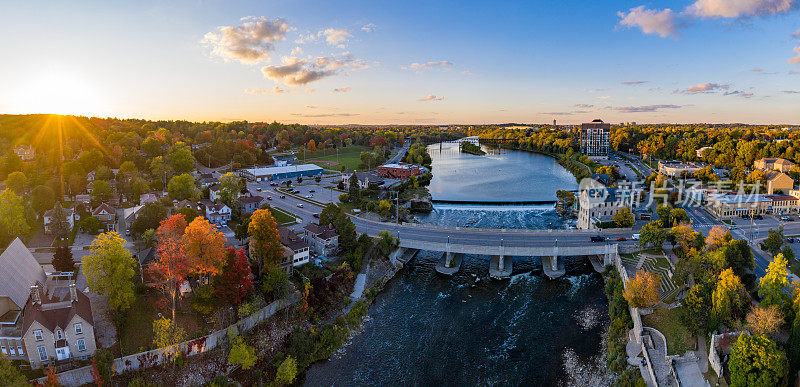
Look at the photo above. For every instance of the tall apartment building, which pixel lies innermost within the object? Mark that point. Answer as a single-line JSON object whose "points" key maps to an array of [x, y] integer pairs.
{"points": [[594, 139]]}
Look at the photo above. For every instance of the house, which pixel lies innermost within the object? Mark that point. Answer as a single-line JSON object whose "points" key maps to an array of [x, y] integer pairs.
{"points": [[106, 214], [248, 204], [213, 192], [700, 151], [25, 152], [600, 204], [364, 179], [778, 181], [44, 318], [323, 240], [69, 216], [83, 199], [299, 247], [151, 197], [773, 163], [217, 213], [206, 179], [126, 216], [190, 204]]}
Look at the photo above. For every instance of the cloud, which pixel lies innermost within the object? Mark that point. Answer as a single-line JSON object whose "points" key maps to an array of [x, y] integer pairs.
{"points": [[251, 42], [633, 83], [295, 72], [311, 107], [445, 64], [431, 97], [663, 23], [705, 88], [335, 37], [739, 93], [297, 51], [274, 90], [583, 106], [557, 113], [757, 70], [369, 27], [468, 73], [344, 89], [738, 8], [796, 59], [309, 91], [646, 108], [324, 115], [790, 91]]}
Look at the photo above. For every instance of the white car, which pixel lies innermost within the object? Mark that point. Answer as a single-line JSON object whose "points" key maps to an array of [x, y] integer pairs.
{"points": [[308, 196], [635, 237], [300, 205]]}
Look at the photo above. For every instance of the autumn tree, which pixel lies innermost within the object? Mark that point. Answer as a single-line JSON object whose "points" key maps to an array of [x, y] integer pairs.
{"points": [[16, 182], [51, 377], [717, 237], [171, 264], [624, 218], [234, 283], [728, 296], [384, 208], [265, 242], [182, 187], [771, 285], [641, 291], [756, 361], [286, 372], [204, 246], [312, 146], [109, 270], [764, 320], [10, 373], [12, 217], [229, 186], [242, 354], [167, 333], [652, 234], [684, 236]]}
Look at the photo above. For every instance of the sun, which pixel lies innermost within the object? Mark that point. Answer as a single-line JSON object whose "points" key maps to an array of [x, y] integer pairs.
{"points": [[60, 93]]}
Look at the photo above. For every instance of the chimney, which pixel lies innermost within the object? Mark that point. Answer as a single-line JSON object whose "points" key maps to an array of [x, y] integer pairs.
{"points": [[73, 292], [37, 299]]}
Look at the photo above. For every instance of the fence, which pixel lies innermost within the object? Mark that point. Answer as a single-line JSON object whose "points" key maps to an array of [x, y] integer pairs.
{"points": [[81, 376]]}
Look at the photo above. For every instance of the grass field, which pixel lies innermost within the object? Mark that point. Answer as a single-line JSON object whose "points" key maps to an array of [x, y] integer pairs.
{"points": [[281, 217], [350, 157], [137, 334], [679, 339]]}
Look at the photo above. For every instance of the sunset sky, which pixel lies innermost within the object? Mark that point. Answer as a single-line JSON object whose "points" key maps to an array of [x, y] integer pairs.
{"points": [[406, 62]]}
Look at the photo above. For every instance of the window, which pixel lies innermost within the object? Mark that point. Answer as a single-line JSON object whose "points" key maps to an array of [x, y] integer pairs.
{"points": [[11, 349], [37, 334], [3, 349], [59, 334], [42, 353], [78, 328], [19, 350], [81, 345]]}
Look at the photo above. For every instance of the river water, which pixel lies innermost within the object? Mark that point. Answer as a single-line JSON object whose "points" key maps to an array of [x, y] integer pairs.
{"points": [[427, 329]]}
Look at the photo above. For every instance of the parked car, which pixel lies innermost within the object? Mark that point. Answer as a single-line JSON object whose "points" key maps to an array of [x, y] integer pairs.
{"points": [[312, 190], [790, 240], [308, 196], [621, 239], [597, 238], [283, 196]]}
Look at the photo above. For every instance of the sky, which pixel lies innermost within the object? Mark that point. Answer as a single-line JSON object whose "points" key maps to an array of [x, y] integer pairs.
{"points": [[406, 62]]}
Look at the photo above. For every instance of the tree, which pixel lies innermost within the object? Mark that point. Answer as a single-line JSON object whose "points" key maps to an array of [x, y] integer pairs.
{"points": [[771, 285], [739, 257], [788, 253], [624, 218], [229, 186], [10, 374], [312, 146], [697, 304], [287, 371], [718, 236], [684, 235], [728, 295], [182, 187], [101, 192], [664, 212], [242, 354], [353, 190], [58, 223], [204, 246], [756, 361], [774, 241], [149, 217], [167, 333], [384, 208], [109, 270], [641, 291], [387, 242], [160, 170], [91, 225], [652, 234], [265, 242], [275, 282], [151, 146], [52, 377], [62, 259], [171, 264], [234, 283], [763, 321], [678, 216], [12, 217], [42, 197], [180, 158], [16, 182]]}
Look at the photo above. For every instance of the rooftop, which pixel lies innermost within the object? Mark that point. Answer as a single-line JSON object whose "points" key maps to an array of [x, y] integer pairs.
{"points": [[285, 169]]}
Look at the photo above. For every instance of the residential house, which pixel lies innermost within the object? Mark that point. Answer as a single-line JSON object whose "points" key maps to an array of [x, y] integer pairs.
{"points": [[249, 204], [200, 209], [206, 179], [25, 152], [44, 318], [217, 213], [213, 192], [126, 216], [106, 214], [299, 247], [773, 163], [364, 179], [778, 181], [69, 216], [323, 240]]}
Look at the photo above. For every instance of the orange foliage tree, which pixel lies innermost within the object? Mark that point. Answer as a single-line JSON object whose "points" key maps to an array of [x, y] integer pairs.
{"points": [[641, 291], [718, 236], [171, 265], [265, 242], [204, 246]]}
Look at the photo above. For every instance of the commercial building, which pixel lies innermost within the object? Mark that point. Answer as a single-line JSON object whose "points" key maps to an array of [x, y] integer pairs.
{"points": [[594, 139], [728, 206], [772, 163], [600, 204], [779, 181], [280, 173], [399, 171], [676, 168], [700, 151]]}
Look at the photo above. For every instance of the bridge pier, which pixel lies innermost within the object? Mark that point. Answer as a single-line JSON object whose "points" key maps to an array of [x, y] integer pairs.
{"points": [[553, 267], [500, 266], [449, 263]]}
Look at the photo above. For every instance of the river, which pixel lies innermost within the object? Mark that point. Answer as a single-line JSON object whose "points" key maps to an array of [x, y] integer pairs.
{"points": [[426, 329]]}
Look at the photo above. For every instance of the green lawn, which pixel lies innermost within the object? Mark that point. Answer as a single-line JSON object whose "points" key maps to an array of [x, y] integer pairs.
{"points": [[350, 157], [281, 216], [137, 333], [667, 321]]}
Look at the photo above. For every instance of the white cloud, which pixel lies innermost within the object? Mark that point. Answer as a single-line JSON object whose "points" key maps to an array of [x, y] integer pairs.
{"points": [[251, 42], [738, 8], [705, 87], [274, 90], [369, 27], [796, 59], [445, 64], [646, 108], [431, 97], [297, 51], [633, 83], [663, 23], [295, 72], [335, 37], [344, 89], [468, 73]]}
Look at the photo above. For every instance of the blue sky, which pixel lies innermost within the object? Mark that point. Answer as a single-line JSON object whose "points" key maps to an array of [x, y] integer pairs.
{"points": [[413, 62]]}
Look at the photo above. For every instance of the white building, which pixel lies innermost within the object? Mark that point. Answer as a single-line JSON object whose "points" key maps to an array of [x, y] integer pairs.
{"points": [[600, 204]]}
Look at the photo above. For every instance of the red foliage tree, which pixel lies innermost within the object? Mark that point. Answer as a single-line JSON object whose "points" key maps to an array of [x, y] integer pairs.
{"points": [[234, 283], [172, 264], [204, 246]]}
